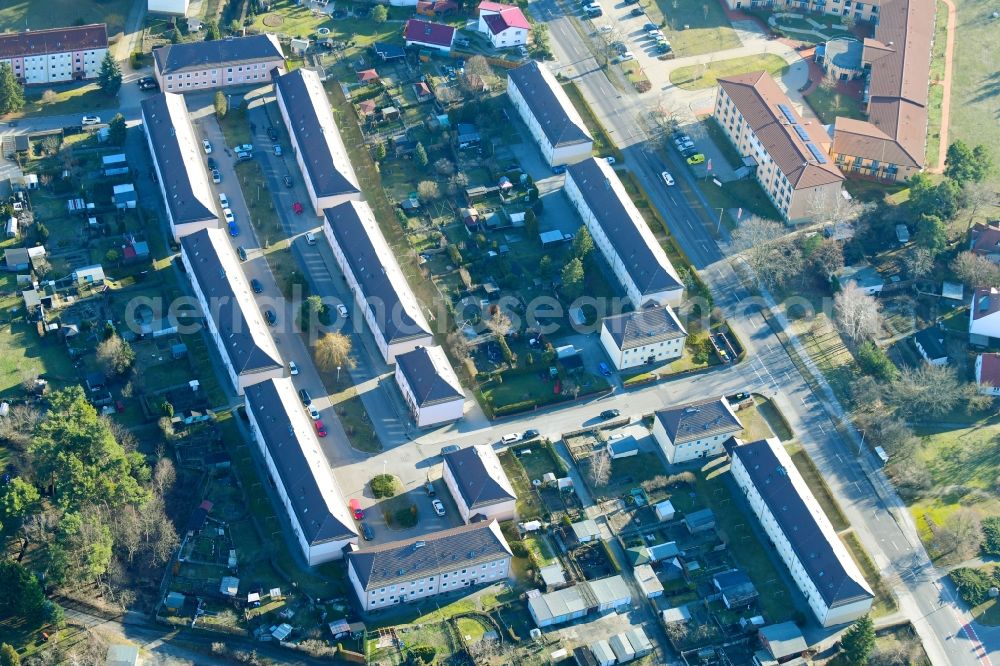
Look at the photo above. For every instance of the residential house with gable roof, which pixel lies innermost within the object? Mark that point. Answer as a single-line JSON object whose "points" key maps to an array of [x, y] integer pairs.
{"points": [[201, 65], [505, 25], [984, 316], [428, 35], [648, 335], [478, 484], [988, 373], [696, 429], [429, 386]]}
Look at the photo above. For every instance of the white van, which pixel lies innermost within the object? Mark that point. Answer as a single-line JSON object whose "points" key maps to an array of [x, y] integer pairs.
{"points": [[310, 238]]}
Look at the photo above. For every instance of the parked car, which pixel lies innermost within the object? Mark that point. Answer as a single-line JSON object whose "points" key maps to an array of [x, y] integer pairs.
{"points": [[234, 229], [212, 164], [451, 448], [297, 208], [667, 178], [650, 26], [207, 145], [223, 200], [148, 83], [594, 12], [305, 397], [529, 434], [277, 149], [227, 214], [287, 180], [313, 413], [697, 158], [625, 57], [320, 428], [511, 438], [610, 414], [310, 238], [605, 370], [243, 157], [90, 120], [356, 509], [438, 507], [342, 310], [610, 159], [429, 489], [270, 317], [216, 176], [244, 148], [293, 369], [241, 252], [366, 531], [256, 285]]}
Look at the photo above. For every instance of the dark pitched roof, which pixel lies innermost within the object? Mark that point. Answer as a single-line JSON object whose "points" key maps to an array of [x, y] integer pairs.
{"points": [[931, 339], [178, 154], [734, 578], [371, 261], [303, 470], [425, 32], [697, 420], [763, 105], [802, 521], [430, 376], [56, 40], [644, 327], [232, 307], [316, 135], [549, 105], [479, 476], [644, 260], [388, 51], [464, 547], [219, 52]]}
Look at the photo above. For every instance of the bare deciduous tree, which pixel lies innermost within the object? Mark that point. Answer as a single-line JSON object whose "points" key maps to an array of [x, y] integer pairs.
{"points": [[975, 270], [428, 190], [459, 345], [333, 351], [828, 258], [858, 315], [600, 467], [961, 536], [928, 391], [499, 323], [919, 262], [975, 196], [444, 166], [164, 476], [770, 253], [115, 355]]}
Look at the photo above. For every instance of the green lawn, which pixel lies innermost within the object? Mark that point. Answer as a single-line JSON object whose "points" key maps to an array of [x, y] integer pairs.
{"points": [[23, 353], [35, 15], [721, 141], [64, 100], [697, 77], [828, 104], [754, 425], [746, 194], [936, 92], [288, 19], [528, 505], [693, 28], [603, 144], [885, 603], [814, 480]]}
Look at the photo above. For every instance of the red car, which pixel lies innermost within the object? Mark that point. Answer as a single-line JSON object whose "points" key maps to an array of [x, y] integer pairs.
{"points": [[355, 507], [320, 428], [297, 207]]}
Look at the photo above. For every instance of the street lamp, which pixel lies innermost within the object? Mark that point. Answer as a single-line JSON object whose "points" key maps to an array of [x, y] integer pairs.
{"points": [[338, 373], [718, 227]]}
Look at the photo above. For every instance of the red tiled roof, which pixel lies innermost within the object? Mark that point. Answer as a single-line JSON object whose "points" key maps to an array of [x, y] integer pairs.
{"points": [[56, 40], [424, 32], [367, 75], [989, 372], [492, 6], [985, 239], [507, 16]]}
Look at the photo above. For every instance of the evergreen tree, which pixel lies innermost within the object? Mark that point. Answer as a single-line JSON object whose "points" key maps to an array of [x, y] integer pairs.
{"points": [[380, 151], [572, 278], [583, 244], [421, 155], [964, 164], [9, 656], [221, 105], [110, 77], [11, 92], [116, 130], [212, 31], [858, 642], [23, 597]]}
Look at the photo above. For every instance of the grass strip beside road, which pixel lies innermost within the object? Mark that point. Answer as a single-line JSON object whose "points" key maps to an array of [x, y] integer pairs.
{"points": [[817, 484], [603, 143], [885, 602]]}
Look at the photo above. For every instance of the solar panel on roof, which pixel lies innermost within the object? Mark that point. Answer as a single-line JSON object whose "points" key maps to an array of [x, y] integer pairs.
{"points": [[817, 153], [801, 131], [787, 111]]}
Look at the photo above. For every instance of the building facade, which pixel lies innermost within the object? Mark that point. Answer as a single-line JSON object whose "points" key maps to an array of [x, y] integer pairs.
{"points": [[640, 337], [429, 386], [428, 35], [316, 142], [316, 508], [621, 234], [405, 571], [549, 114], [790, 155], [231, 314], [178, 161], [793, 520], [379, 287], [478, 484], [988, 373], [504, 25], [695, 430], [56, 55], [234, 61]]}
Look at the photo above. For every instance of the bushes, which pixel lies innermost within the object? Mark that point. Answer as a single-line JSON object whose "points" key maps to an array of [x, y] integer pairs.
{"points": [[612, 560], [974, 584], [874, 361], [514, 408], [422, 654], [991, 535], [455, 255], [518, 549], [383, 485]]}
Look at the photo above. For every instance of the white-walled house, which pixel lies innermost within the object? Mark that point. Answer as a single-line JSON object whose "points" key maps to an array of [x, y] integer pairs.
{"points": [[649, 335], [231, 314], [478, 484], [429, 35], [695, 430], [55, 55], [551, 118], [175, 7], [403, 571], [429, 386], [379, 287], [988, 373], [834, 587], [622, 235], [179, 164], [201, 65], [320, 517], [504, 25], [316, 142], [984, 315]]}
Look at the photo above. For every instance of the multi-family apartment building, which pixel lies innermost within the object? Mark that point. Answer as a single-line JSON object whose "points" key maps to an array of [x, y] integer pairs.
{"points": [[648, 335], [55, 55], [549, 114], [789, 155], [447, 561], [696, 429], [857, 11], [319, 515], [478, 484], [179, 163], [891, 144], [316, 142], [622, 235], [793, 520], [429, 386], [231, 314], [234, 61], [379, 287]]}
